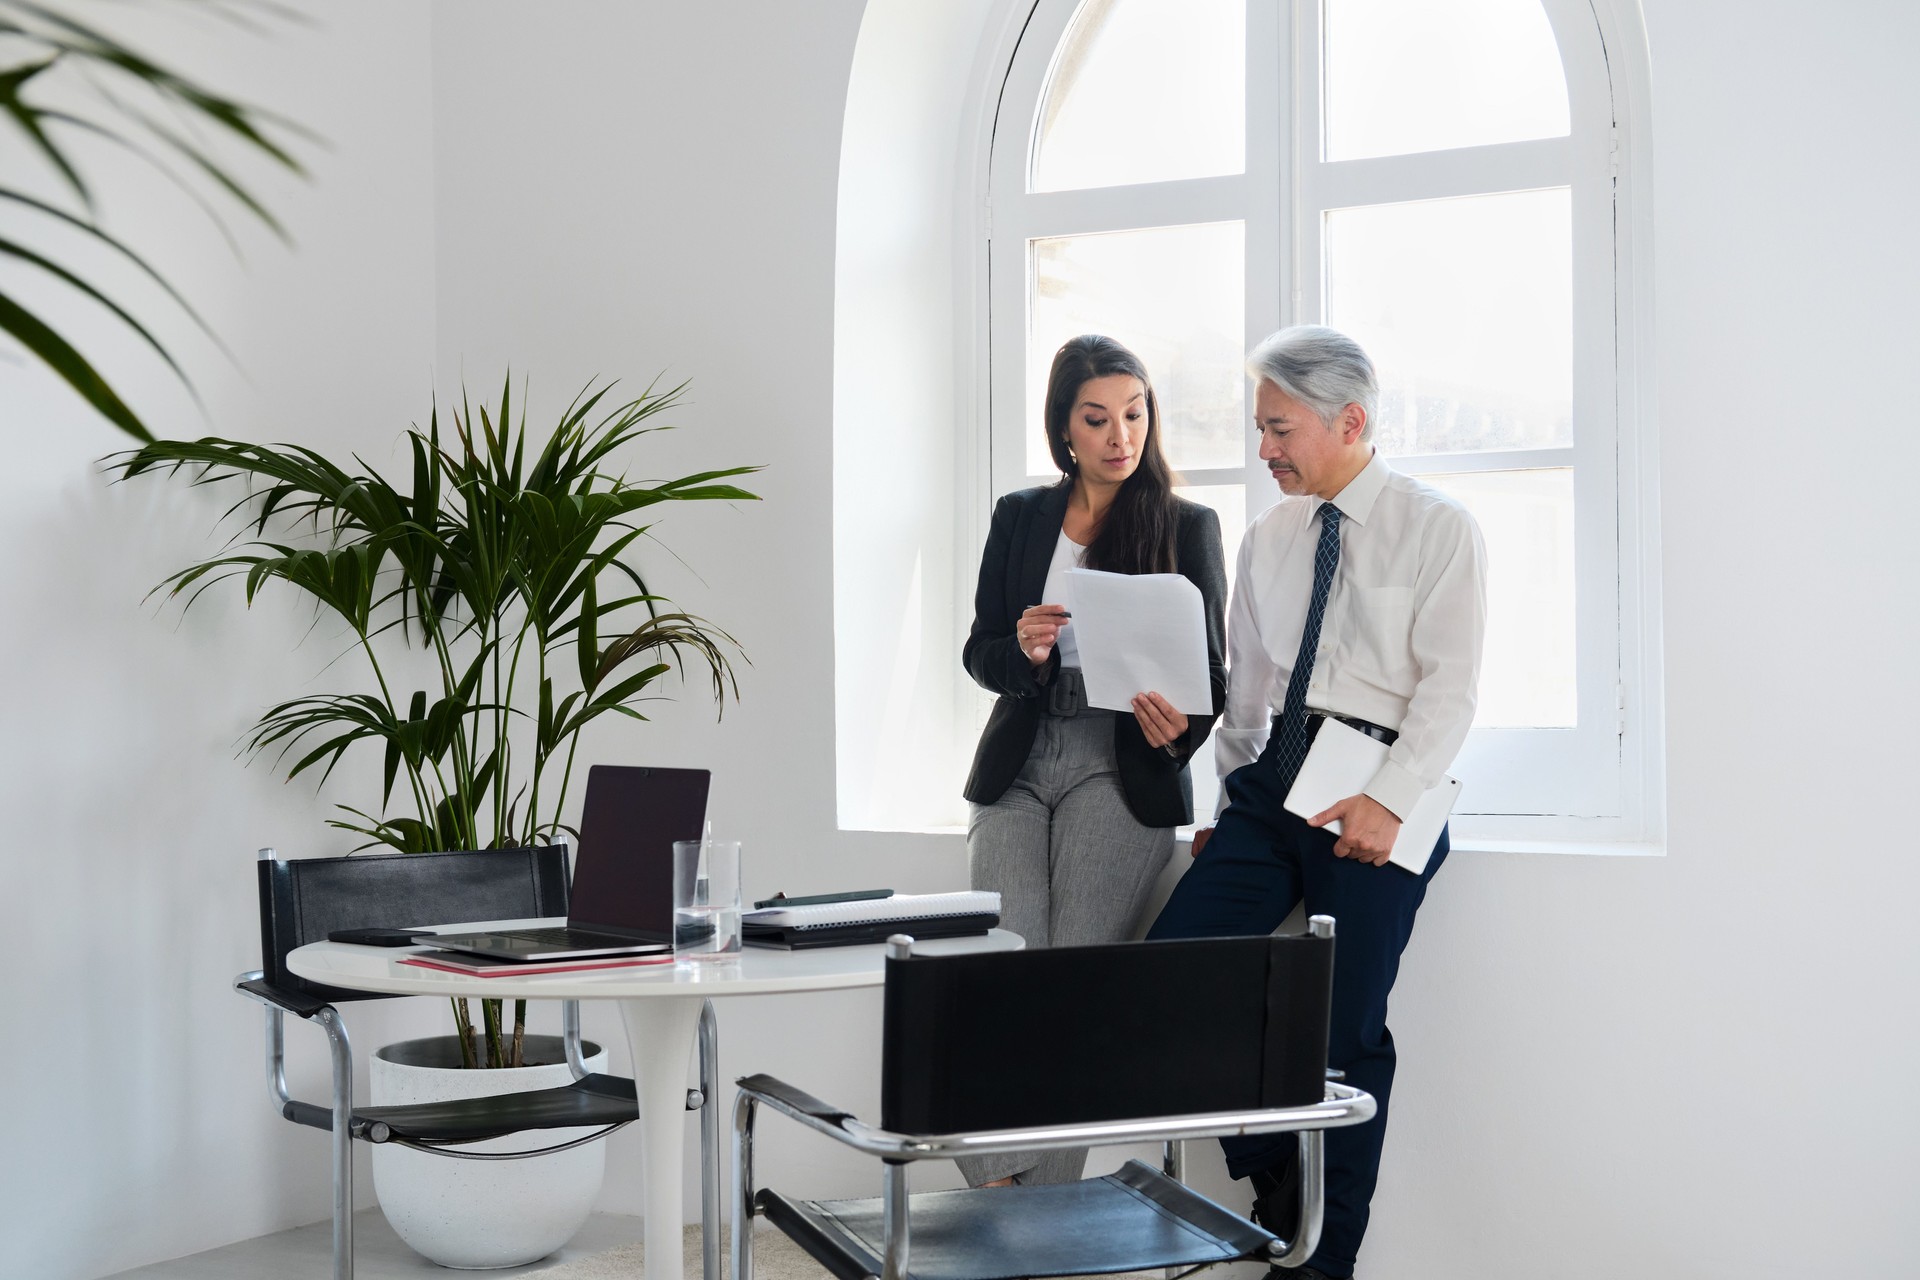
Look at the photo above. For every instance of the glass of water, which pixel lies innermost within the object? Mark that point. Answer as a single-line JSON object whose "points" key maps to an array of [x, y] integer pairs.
{"points": [[706, 900]]}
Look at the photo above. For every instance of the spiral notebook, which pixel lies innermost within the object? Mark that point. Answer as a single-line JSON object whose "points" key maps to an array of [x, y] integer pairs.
{"points": [[845, 924]]}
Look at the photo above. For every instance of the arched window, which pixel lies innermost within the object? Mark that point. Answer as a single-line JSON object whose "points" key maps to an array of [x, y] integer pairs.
{"points": [[1442, 181]]}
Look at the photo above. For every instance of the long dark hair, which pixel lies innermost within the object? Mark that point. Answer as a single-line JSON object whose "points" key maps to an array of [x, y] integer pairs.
{"points": [[1137, 535]]}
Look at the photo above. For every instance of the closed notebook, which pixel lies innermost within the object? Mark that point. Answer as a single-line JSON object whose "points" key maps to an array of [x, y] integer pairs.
{"points": [[899, 906], [1341, 762], [503, 967], [830, 924]]}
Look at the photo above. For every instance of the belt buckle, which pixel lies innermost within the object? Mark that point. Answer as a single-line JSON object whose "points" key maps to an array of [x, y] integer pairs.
{"points": [[1358, 726], [1065, 696]]}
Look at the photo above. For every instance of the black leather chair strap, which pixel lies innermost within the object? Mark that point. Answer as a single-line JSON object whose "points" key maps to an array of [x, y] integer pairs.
{"points": [[1223, 1014], [302, 900], [595, 1101], [805, 1103], [294, 1002], [824, 1243], [1137, 1219], [311, 1114], [1196, 1210]]}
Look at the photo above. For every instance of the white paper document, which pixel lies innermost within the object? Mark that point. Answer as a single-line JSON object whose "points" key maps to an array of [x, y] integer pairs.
{"points": [[1341, 762], [1140, 633]]}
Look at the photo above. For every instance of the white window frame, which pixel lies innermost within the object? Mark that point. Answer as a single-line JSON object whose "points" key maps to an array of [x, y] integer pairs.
{"points": [[1598, 787]]}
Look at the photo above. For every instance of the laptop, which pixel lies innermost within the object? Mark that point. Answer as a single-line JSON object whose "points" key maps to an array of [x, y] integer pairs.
{"points": [[622, 899]]}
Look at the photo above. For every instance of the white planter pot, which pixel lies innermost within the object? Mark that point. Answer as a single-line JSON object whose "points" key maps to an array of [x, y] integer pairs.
{"points": [[478, 1214]]}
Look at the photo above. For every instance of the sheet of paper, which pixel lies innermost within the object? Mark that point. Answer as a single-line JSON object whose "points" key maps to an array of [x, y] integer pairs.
{"points": [[1140, 633]]}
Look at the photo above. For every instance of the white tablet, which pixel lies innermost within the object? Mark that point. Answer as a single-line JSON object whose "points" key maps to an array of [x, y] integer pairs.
{"points": [[1341, 762]]}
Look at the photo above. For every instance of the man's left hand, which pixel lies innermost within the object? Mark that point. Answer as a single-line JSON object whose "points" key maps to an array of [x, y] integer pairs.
{"points": [[1367, 829]]}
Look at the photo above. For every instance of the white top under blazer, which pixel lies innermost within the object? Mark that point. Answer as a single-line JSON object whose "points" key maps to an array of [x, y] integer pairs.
{"points": [[1067, 554]]}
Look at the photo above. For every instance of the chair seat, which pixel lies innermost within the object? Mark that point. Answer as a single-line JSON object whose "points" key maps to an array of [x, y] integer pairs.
{"points": [[1135, 1219], [596, 1101]]}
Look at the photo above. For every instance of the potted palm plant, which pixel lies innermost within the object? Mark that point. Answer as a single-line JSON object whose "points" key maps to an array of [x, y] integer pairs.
{"points": [[507, 564]]}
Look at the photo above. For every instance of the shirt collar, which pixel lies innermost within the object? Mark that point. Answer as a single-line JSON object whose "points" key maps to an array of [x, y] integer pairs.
{"points": [[1356, 500]]}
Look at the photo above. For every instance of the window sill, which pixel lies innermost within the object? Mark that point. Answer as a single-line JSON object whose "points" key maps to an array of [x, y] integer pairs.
{"points": [[1577, 848], [1588, 848], [1465, 844]]}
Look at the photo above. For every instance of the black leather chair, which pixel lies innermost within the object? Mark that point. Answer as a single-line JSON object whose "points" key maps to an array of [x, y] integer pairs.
{"points": [[303, 900], [1074, 1046]]}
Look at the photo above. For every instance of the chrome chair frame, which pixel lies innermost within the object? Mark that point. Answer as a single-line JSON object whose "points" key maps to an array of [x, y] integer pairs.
{"points": [[336, 1116], [1343, 1105]]}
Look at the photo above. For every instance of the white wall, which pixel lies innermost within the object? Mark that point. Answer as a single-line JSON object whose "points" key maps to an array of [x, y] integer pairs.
{"points": [[1692, 1066], [906, 419], [658, 193], [137, 1123], [1700, 1065]]}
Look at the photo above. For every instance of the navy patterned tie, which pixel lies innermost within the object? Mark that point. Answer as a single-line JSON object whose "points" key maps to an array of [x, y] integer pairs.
{"points": [[1291, 752]]}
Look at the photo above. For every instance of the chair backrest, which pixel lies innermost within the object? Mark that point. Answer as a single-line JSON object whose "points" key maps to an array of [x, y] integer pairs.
{"points": [[302, 900], [1083, 1034]]}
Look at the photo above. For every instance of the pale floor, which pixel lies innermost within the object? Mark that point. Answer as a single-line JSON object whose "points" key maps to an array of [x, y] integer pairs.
{"points": [[306, 1253]]}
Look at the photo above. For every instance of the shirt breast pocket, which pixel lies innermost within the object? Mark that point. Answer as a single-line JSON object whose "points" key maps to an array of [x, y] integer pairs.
{"points": [[1386, 630]]}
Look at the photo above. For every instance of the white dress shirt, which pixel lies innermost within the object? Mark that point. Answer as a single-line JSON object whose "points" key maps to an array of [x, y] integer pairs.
{"points": [[1400, 643], [1067, 555]]}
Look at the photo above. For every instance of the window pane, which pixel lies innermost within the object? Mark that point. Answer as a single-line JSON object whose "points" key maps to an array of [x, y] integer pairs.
{"points": [[1145, 91], [1527, 675], [1466, 307], [1413, 75], [1230, 501], [1175, 296]]}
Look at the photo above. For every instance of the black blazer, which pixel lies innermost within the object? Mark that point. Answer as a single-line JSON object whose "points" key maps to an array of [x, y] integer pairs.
{"points": [[1013, 572]]}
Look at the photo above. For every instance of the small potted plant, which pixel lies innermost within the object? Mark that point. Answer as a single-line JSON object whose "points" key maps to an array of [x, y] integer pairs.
{"points": [[508, 562]]}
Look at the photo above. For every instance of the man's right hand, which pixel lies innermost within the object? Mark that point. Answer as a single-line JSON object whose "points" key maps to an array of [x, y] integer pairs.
{"points": [[1038, 629], [1200, 839]]}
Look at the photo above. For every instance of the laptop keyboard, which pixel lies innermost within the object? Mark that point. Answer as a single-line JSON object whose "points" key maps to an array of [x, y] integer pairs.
{"points": [[551, 937], [562, 936]]}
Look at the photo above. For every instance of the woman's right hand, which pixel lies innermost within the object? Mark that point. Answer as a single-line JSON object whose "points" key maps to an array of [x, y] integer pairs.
{"points": [[1037, 631]]}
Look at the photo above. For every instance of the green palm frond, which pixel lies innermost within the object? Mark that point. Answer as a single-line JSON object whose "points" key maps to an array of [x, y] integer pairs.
{"points": [[501, 555], [126, 100]]}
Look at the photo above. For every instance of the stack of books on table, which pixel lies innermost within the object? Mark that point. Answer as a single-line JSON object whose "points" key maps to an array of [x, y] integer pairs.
{"points": [[843, 924]]}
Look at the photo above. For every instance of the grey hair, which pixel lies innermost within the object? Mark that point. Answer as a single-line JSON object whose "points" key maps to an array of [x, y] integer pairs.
{"points": [[1322, 368]]}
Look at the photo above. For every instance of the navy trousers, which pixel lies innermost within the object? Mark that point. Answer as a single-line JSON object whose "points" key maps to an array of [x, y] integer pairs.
{"points": [[1260, 863]]}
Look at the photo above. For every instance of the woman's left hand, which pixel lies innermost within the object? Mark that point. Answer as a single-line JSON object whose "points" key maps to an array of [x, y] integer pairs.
{"points": [[1158, 720]]}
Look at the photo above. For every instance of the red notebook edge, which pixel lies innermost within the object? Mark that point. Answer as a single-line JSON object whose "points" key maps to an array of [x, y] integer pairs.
{"points": [[522, 969]]}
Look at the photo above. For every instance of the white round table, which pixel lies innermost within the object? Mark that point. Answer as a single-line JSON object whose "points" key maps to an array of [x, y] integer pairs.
{"points": [[660, 1005]]}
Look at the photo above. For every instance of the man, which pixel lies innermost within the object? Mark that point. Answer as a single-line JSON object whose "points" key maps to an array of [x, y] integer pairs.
{"points": [[1359, 596]]}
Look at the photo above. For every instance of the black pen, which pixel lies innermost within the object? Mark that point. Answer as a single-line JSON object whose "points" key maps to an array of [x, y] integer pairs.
{"points": [[821, 899]]}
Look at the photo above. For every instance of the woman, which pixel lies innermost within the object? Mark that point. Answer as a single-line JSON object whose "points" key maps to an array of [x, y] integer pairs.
{"points": [[1073, 809]]}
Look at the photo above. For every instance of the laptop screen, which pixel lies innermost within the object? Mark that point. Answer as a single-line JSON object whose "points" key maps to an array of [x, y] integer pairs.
{"points": [[623, 874]]}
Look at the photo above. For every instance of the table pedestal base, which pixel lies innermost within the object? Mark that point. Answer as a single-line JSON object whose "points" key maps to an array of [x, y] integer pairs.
{"points": [[660, 1038]]}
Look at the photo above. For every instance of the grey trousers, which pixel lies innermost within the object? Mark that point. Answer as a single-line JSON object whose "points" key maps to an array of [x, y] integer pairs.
{"points": [[1073, 867]]}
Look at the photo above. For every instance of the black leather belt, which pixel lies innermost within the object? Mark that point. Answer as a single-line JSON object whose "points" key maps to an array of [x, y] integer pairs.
{"points": [[1379, 733]]}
